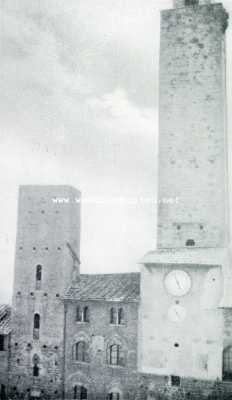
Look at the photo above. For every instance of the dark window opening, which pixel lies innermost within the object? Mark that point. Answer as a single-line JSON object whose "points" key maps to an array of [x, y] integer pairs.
{"points": [[36, 321], [190, 242], [38, 276], [80, 393], [86, 314], [35, 365], [176, 345], [36, 326], [2, 344], [227, 364], [191, 2], [113, 316], [82, 314], [113, 396], [3, 392], [121, 318], [35, 370], [175, 380], [81, 353], [116, 355], [78, 314]]}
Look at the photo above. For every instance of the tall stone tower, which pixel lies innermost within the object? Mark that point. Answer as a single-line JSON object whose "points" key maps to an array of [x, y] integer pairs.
{"points": [[182, 289], [48, 237]]}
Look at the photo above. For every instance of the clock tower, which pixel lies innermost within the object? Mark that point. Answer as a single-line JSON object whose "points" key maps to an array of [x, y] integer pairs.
{"points": [[183, 282]]}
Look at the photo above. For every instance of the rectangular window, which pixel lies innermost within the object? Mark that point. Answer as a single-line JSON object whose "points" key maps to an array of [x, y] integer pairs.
{"points": [[175, 380], [2, 343]]}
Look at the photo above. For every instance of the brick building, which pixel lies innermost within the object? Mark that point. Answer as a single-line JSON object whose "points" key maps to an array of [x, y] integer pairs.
{"points": [[166, 331]]}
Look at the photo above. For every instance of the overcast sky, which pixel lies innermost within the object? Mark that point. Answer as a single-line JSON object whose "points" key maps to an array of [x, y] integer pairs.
{"points": [[78, 106]]}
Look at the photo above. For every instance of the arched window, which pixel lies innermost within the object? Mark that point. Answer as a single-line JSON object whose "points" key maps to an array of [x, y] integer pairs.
{"points": [[113, 316], [82, 314], [35, 365], [113, 396], [116, 355], [80, 393], [227, 364], [190, 242], [121, 318], [38, 276], [79, 314], [36, 326], [191, 2], [86, 314], [81, 353], [36, 321], [35, 370]]}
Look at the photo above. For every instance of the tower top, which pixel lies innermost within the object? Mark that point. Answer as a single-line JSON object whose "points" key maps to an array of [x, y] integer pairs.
{"points": [[186, 3]]}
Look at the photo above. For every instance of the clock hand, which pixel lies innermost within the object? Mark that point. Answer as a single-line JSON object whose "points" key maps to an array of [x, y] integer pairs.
{"points": [[178, 283]]}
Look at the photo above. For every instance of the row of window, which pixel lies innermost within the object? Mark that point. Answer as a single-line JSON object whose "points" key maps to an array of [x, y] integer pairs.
{"points": [[115, 353], [81, 393], [83, 315], [116, 317]]}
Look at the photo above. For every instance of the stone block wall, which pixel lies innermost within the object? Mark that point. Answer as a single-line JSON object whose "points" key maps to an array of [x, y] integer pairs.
{"points": [[192, 139], [48, 219], [96, 374]]}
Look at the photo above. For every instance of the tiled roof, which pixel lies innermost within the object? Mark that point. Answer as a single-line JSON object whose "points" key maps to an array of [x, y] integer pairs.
{"points": [[109, 287], [5, 326]]}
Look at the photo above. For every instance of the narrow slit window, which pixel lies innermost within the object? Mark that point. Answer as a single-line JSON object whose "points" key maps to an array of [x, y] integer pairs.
{"points": [[2, 347], [113, 316], [86, 314], [81, 353], [38, 276], [36, 321], [121, 317]]}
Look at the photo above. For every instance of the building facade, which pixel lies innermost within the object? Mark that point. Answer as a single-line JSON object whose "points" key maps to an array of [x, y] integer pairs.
{"points": [[166, 331]]}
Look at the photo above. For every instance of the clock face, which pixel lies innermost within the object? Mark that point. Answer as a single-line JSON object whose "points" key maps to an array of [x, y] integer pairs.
{"points": [[176, 313], [177, 282]]}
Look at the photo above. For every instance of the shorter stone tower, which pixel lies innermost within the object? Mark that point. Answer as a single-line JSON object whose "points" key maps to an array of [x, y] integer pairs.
{"points": [[48, 237]]}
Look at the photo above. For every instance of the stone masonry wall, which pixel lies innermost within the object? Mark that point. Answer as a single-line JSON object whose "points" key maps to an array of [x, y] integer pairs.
{"points": [[44, 228], [192, 140], [97, 375]]}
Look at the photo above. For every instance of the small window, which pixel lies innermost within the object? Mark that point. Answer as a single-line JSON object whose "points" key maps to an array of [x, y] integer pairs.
{"points": [[227, 364], [121, 319], [35, 365], [81, 352], [86, 314], [116, 356], [79, 314], [190, 242], [113, 396], [175, 380], [113, 316], [38, 276], [82, 314], [2, 347], [36, 321], [80, 393], [191, 2], [35, 370], [36, 326]]}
